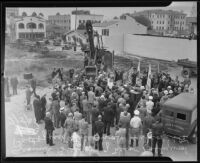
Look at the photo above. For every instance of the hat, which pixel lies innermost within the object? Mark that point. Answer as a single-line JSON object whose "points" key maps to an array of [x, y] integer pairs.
{"points": [[99, 117], [165, 92], [102, 96], [179, 88], [150, 98], [169, 87], [48, 114], [61, 109], [70, 115], [142, 87], [136, 112], [170, 91], [127, 105]]}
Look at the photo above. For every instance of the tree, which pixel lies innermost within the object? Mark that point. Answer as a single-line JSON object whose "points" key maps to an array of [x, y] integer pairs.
{"points": [[24, 14], [34, 14], [115, 17], [41, 14], [81, 26], [143, 20]]}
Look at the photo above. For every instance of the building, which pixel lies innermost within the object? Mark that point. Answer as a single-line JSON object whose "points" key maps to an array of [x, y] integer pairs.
{"points": [[30, 27], [78, 19], [78, 35], [12, 11], [63, 21], [191, 25], [54, 31], [118, 27], [165, 20]]}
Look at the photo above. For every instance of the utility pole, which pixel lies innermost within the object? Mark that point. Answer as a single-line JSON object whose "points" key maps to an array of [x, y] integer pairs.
{"points": [[75, 29]]}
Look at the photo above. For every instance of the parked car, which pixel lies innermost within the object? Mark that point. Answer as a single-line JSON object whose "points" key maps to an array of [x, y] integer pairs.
{"points": [[179, 116]]}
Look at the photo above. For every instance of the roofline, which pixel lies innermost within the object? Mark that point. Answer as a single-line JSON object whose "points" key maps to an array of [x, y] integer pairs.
{"points": [[76, 32], [106, 25], [160, 10]]}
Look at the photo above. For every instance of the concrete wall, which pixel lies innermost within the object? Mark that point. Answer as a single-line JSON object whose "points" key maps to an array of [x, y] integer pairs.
{"points": [[114, 43], [160, 47]]}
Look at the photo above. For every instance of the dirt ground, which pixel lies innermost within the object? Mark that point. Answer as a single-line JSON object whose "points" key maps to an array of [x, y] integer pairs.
{"points": [[18, 62]]}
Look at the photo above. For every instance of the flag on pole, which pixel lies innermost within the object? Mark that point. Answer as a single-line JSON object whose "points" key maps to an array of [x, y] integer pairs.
{"points": [[138, 74], [158, 67], [138, 68], [148, 86]]}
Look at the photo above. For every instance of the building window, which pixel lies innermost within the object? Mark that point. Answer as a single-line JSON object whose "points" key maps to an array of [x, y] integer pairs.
{"points": [[21, 26], [163, 28], [105, 32], [80, 21], [41, 26], [181, 116], [169, 113], [31, 26], [163, 22]]}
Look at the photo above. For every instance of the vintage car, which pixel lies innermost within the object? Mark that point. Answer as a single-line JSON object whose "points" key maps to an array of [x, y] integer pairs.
{"points": [[179, 116]]}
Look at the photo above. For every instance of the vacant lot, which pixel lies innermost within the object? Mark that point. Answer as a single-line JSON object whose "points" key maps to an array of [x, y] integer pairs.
{"points": [[18, 62]]}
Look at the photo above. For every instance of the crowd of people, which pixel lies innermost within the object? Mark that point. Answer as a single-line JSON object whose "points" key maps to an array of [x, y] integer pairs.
{"points": [[108, 101]]}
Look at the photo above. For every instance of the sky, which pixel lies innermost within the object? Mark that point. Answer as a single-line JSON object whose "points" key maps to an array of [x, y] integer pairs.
{"points": [[108, 12]]}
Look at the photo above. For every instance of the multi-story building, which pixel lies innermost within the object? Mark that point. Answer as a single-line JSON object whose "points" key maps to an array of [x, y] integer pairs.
{"points": [[78, 19], [63, 21], [30, 27], [12, 11], [165, 20]]}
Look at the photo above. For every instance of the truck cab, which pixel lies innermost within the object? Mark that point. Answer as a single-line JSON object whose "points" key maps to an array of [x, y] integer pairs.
{"points": [[179, 116]]}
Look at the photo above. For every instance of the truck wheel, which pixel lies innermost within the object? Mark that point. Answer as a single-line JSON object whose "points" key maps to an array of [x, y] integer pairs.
{"points": [[193, 137], [186, 72]]}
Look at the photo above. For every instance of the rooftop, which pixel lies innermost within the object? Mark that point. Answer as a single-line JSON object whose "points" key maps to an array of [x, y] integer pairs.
{"points": [[162, 12], [105, 24], [184, 101], [82, 32]]}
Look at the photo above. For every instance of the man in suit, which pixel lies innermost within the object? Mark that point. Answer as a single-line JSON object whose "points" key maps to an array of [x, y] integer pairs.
{"points": [[108, 116], [95, 113], [157, 133], [49, 129], [99, 128], [37, 108], [14, 82], [33, 85], [56, 113], [43, 105], [84, 131]]}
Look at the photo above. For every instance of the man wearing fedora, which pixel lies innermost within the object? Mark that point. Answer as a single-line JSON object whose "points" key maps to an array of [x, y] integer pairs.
{"points": [[49, 129], [99, 129]]}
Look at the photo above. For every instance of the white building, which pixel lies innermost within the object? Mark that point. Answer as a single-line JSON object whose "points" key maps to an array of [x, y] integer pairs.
{"points": [[78, 35], [30, 27], [120, 27], [76, 20]]}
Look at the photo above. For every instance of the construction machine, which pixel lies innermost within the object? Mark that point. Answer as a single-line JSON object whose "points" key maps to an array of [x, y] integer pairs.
{"points": [[98, 57]]}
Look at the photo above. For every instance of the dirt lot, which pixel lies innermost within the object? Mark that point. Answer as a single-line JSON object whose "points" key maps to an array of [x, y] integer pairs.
{"points": [[18, 62]]}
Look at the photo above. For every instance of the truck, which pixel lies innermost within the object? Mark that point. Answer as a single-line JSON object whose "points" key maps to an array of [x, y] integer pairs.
{"points": [[179, 117]]}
